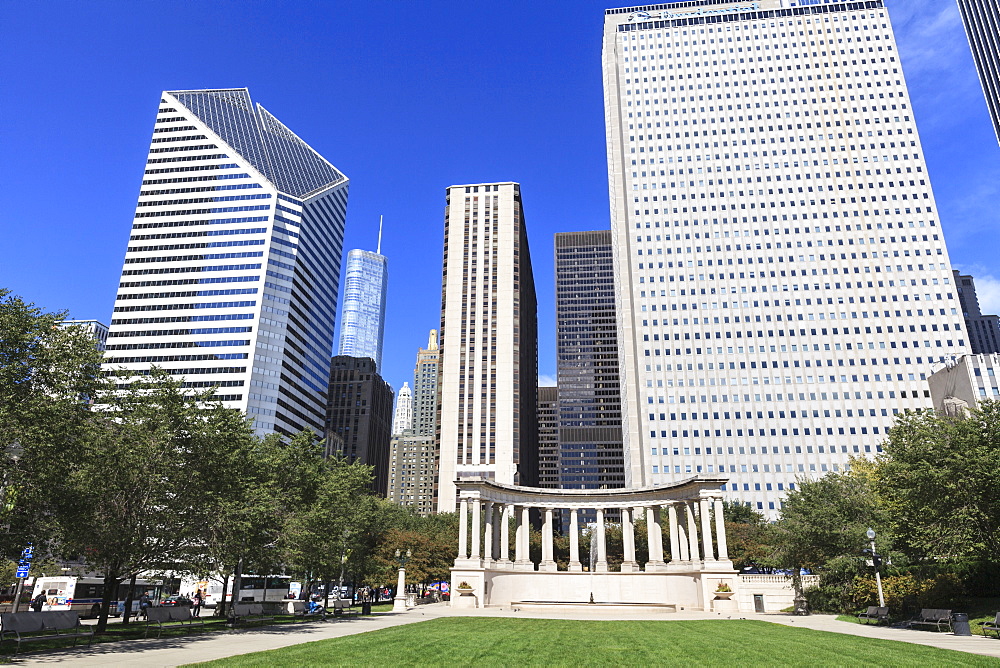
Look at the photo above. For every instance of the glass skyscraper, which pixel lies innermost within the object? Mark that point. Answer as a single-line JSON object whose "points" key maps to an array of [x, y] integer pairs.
{"points": [[589, 412], [982, 25], [231, 273], [362, 323]]}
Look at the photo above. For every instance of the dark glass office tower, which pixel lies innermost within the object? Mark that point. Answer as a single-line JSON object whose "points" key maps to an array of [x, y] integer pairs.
{"points": [[590, 434]]}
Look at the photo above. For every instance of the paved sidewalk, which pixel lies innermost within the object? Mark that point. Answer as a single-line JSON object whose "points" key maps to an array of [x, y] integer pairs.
{"points": [[193, 649]]}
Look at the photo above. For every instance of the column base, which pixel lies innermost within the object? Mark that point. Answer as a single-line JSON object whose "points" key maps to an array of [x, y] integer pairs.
{"points": [[575, 567], [399, 604], [601, 567], [629, 567], [680, 566], [548, 566], [655, 567], [503, 565], [524, 566], [468, 562]]}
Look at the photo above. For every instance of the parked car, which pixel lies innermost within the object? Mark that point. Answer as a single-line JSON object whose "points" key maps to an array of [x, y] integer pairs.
{"points": [[177, 600]]}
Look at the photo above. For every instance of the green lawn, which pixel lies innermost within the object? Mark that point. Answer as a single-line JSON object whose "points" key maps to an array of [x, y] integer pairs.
{"points": [[477, 641], [978, 609]]}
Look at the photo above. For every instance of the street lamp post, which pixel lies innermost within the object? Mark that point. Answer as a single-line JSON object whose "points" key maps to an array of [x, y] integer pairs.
{"points": [[399, 603], [876, 561]]}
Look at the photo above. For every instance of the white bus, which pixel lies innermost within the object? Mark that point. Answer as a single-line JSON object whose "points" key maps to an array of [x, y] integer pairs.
{"points": [[256, 588], [84, 595]]}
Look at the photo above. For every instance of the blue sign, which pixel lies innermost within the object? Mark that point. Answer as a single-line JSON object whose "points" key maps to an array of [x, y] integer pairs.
{"points": [[22, 572]]}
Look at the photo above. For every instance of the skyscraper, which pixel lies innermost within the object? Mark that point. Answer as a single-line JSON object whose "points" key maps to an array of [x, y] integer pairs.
{"points": [[590, 412], [230, 276], [548, 437], [489, 342], [403, 417], [982, 25], [413, 455], [359, 416], [779, 263], [362, 325], [984, 330]]}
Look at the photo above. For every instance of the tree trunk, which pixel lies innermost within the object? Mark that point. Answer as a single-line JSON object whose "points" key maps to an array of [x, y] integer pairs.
{"points": [[237, 581], [127, 613], [111, 581], [220, 606], [326, 600]]}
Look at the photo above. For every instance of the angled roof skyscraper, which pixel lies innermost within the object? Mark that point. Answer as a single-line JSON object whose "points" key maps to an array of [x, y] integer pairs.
{"points": [[232, 269]]}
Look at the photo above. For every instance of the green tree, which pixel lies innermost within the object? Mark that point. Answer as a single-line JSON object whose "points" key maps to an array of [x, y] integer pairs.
{"points": [[940, 476], [47, 374], [749, 536]]}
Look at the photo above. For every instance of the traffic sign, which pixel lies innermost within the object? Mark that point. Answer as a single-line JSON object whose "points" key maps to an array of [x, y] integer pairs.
{"points": [[22, 572]]}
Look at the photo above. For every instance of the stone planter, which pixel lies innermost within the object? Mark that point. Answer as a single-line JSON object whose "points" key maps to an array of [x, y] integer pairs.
{"points": [[724, 595]]}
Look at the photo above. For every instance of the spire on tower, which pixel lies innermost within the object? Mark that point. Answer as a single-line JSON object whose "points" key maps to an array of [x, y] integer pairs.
{"points": [[379, 249]]}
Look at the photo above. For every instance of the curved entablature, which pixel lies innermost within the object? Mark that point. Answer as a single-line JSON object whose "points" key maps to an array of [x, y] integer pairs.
{"points": [[695, 487]]}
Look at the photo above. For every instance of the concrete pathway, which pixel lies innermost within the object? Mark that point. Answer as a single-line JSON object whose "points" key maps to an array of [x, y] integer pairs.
{"points": [[176, 651]]}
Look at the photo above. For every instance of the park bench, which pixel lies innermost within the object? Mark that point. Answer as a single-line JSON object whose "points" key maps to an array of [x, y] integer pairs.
{"points": [[51, 625], [300, 610], [249, 612], [343, 607], [174, 615], [992, 626], [932, 617], [875, 613]]}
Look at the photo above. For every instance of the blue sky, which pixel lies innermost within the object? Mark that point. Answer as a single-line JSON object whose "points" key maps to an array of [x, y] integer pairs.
{"points": [[406, 98]]}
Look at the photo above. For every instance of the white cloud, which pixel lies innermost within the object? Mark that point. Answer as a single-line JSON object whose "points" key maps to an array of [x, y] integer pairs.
{"points": [[546, 381]]}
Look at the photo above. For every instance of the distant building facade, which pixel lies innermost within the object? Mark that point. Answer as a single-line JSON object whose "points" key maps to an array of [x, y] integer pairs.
{"points": [[964, 382], [489, 342], [413, 456], [984, 330], [403, 418], [548, 437], [590, 411], [362, 322], [96, 329], [359, 414], [982, 25]]}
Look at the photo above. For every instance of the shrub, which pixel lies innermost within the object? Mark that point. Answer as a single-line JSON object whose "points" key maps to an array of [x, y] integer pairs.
{"points": [[906, 593]]}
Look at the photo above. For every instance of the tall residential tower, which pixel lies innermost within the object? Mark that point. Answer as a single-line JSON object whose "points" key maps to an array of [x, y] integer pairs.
{"points": [[489, 342], [779, 261], [230, 276]]}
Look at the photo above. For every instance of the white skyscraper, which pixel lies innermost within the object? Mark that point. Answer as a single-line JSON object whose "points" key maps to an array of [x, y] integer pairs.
{"points": [[403, 419], [231, 273], [489, 342], [782, 276]]}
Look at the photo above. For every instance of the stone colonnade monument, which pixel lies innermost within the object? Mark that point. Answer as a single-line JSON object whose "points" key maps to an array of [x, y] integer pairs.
{"points": [[689, 511]]}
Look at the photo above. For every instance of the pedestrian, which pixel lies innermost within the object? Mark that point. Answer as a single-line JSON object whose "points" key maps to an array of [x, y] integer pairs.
{"points": [[38, 602], [144, 603], [197, 600]]}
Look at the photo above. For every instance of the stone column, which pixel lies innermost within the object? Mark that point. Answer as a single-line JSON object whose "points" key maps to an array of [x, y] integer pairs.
{"points": [[628, 542], [523, 554], [692, 530], [682, 534], [505, 535], [602, 549], [477, 532], [548, 561], [574, 542], [498, 516], [653, 539], [720, 531], [706, 530], [463, 528], [675, 554], [488, 533]]}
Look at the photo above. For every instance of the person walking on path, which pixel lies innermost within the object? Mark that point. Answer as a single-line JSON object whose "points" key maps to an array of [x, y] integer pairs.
{"points": [[38, 602], [196, 609]]}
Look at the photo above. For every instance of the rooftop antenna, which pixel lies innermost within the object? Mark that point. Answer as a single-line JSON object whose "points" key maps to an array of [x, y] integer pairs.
{"points": [[378, 251]]}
